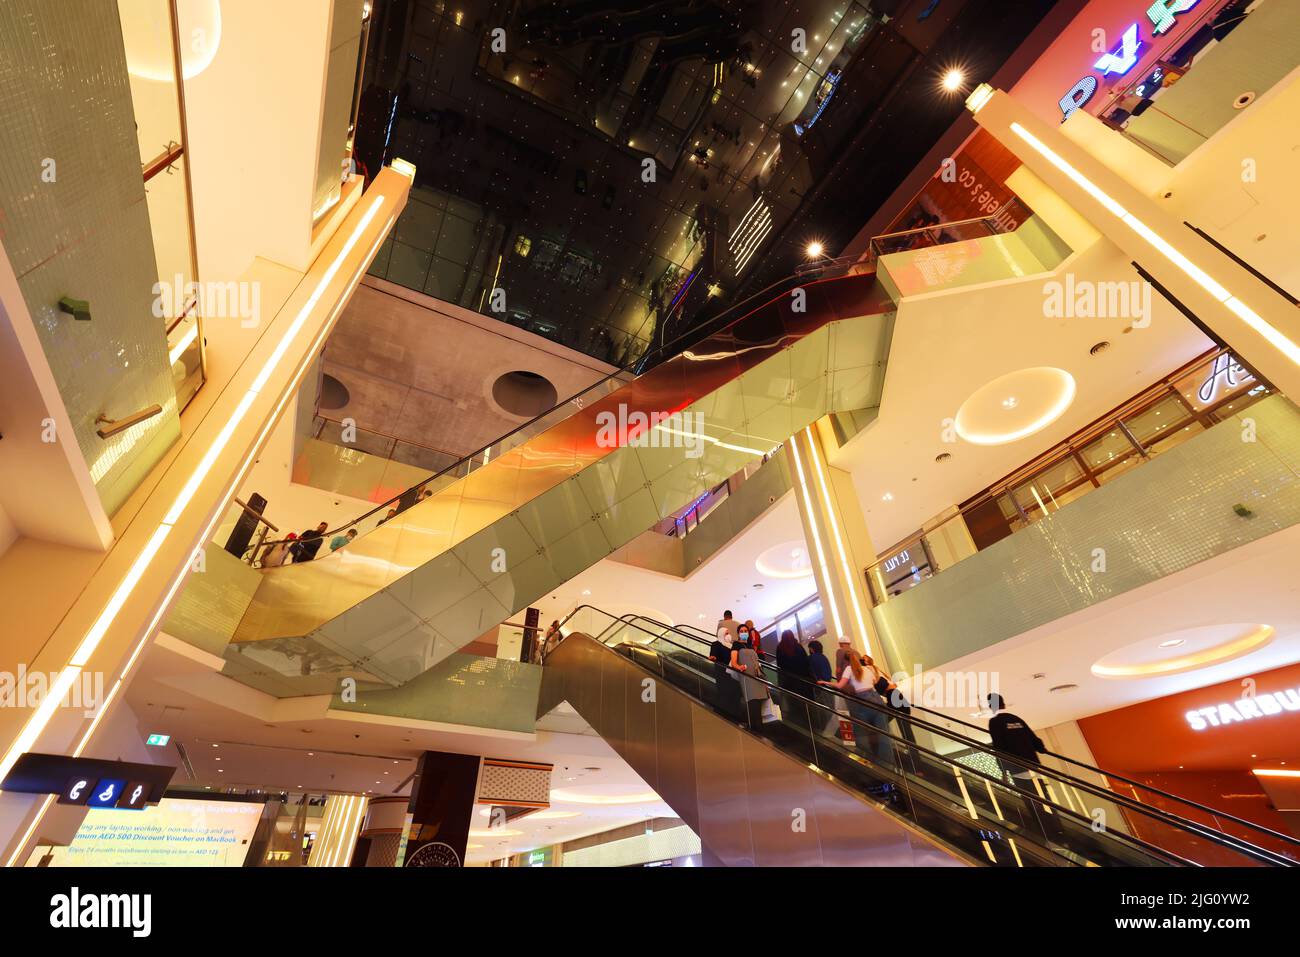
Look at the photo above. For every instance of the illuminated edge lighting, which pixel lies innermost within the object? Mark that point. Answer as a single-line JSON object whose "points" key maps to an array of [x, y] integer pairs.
{"points": [[1042, 422], [1274, 773], [569, 797], [1275, 337], [850, 578], [978, 97], [36, 724], [1191, 662], [496, 833], [817, 539], [185, 342]]}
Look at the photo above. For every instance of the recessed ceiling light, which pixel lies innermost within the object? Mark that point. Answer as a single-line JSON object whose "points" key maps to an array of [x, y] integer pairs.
{"points": [[1173, 642], [887, 497], [1069, 687], [1009, 402]]}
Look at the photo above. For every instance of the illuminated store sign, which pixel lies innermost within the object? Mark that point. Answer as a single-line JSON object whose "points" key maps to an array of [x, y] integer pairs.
{"points": [[1245, 709], [1124, 57], [1226, 373]]}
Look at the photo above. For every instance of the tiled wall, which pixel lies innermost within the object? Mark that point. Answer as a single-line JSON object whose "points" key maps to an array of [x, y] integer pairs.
{"points": [[1160, 518], [65, 100]]}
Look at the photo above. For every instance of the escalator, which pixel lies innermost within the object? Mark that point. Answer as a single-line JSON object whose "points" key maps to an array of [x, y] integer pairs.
{"points": [[829, 780], [486, 537]]}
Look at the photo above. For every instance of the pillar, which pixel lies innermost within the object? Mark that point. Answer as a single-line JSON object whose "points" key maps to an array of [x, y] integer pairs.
{"points": [[837, 538], [440, 810], [338, 831]]}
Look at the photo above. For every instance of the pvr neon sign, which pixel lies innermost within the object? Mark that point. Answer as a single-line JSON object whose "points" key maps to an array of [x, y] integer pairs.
{"points": [[1162, 15]]}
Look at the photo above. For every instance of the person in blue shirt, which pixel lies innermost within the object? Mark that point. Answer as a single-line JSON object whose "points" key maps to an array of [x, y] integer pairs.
{"points": [[338, 541]]}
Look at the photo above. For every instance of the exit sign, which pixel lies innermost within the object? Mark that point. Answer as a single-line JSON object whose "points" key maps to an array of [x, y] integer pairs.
{"points": [[158, 740]]}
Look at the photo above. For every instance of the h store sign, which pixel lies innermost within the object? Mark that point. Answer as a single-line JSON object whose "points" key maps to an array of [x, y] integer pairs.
{"points": [[1160, 18]]}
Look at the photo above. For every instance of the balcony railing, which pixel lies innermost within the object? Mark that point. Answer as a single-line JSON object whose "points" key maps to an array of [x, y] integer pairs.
{"points": [[1194, 398]]}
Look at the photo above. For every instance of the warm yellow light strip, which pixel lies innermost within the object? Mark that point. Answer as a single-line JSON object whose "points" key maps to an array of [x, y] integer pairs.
{"points": [[1203, 279], [1274, 773], [850, 578], [184, 343], [40, 718], [793, 445]]}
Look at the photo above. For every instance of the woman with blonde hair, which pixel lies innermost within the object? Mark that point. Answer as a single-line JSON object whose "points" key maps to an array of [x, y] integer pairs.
{"points": [[859, 680]]}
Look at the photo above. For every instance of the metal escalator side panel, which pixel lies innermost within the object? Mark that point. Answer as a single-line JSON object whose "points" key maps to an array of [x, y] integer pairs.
{"points": [[749, 802]]}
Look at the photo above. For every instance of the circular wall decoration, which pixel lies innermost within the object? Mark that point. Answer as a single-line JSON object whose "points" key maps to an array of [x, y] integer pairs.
{"points": [[1015, 405], [436, 854], [524, 393]]}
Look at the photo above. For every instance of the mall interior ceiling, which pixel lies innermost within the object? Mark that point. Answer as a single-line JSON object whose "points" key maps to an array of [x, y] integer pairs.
{"points": [[629, 170]]}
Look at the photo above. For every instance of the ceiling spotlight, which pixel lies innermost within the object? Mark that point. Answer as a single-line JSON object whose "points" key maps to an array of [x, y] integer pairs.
{"points": [[1173, 642], [953, 80], [1010, 402], [814, 250], [887, 497]]}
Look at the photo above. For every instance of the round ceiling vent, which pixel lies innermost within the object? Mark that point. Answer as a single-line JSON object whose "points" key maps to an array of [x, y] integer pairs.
{"points": [[333, 393], [1243, 100], [1099, 348], [524, 393]]}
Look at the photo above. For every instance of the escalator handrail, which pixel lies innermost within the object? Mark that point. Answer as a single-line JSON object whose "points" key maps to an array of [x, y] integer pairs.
{"points": [[1154, 851], [711, 327], [1214, 812], [1173, 820]]}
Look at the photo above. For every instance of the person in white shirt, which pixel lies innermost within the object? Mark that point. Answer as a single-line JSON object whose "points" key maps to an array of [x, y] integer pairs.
{"points": [[859, 680]]}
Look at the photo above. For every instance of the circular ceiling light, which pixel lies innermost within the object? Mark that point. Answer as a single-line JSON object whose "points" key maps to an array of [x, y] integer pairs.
{"points": [[1196, 648], [1015, 405], [787, 560], [147, 39]]}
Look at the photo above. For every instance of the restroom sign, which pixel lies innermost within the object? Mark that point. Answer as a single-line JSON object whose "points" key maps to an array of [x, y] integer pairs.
{"points": [[1161, 17]]}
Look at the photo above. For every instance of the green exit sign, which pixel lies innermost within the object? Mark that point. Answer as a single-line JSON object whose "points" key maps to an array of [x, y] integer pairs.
{"points": [[158, 740]]}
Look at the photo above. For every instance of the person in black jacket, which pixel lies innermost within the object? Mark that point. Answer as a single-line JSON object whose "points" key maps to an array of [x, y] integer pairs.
{"points": [[1012, 735], [726, 688], [794, 675], [309, 543]]}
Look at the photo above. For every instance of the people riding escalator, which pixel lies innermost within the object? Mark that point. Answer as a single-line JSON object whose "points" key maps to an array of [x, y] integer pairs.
{"points": [[896, 702], [753, 691], [869, 723], [794, 675], [726, 689]]}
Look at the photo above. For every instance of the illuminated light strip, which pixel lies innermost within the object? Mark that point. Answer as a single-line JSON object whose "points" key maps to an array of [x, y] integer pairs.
{"points": [[1015, 851], [850, 578], [767, 228], [40, 718], [743, 219], [1274, 773], [185, 342], [988, 786], [1274, 336], [753, 226], [745, 248], [817, 540]]}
